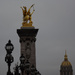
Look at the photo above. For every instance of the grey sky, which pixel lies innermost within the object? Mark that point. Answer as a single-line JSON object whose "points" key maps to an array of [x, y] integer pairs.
{"points": [[56, 22]]}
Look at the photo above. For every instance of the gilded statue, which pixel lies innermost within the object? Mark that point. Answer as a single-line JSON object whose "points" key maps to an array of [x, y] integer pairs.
{"points": [[27, 15]]}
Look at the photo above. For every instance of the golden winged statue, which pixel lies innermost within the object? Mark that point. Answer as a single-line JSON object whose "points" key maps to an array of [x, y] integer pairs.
{"points": [[27, 15]]}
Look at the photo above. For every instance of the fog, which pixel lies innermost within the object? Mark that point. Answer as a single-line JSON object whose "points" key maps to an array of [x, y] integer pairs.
{"points": [[55, 20]]}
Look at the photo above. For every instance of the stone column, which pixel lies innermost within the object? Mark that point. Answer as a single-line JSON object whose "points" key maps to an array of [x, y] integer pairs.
{"points": [[27, 43]]}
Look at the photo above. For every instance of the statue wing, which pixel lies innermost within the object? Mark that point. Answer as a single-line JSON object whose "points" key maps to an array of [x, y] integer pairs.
{"points": [[30, 8]]}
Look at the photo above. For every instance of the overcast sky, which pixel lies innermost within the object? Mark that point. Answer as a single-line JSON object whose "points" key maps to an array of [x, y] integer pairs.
{"points": [[55, 20]]}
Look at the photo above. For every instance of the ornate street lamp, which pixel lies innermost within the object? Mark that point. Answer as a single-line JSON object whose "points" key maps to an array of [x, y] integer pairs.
{"points": [[9, 47], [22, 65], [27, 67], [9, 58], [30, 70]]}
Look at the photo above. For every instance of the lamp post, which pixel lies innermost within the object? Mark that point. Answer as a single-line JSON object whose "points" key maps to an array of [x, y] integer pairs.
{"points": [[30, 70], [9, 58], [22, 61], [27, 67], [24, 64]]}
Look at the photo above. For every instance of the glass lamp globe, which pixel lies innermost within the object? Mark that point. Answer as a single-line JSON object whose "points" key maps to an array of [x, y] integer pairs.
{"points": [[9, 47]]}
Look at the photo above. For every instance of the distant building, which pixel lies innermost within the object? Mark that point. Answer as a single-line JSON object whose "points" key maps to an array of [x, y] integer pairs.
{"points": [[66, 67]]}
